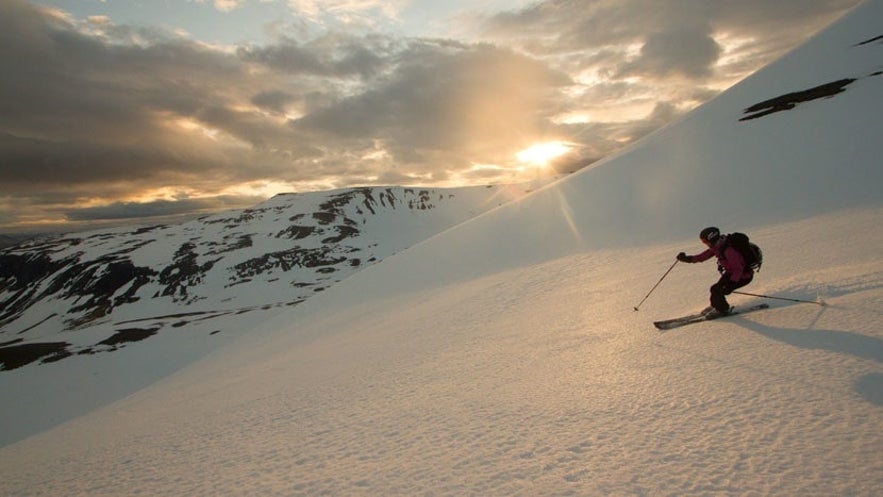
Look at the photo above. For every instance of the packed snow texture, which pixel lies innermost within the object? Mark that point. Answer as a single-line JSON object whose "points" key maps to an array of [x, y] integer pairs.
{"points": [[504, 357]]}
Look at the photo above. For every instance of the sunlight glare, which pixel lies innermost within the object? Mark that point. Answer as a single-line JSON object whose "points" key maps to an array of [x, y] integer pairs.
{"points": [[541, 153]]}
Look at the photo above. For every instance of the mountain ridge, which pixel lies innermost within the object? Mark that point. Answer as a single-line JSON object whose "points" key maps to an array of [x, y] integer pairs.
{"points": [[236, 262]]}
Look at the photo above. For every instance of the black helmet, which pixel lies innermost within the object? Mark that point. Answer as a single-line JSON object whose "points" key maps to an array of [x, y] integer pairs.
{"points": [[710, 235]]}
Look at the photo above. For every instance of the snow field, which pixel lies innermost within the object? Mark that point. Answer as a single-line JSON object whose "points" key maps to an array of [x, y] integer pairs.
{"points": [[536, 381]]}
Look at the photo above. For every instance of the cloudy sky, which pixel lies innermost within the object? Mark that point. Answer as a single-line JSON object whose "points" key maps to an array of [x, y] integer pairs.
{"points": [[120, 110]]}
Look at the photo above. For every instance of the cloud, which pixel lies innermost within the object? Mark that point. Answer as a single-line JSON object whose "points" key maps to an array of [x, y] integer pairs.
{"points": [[82, 109], [444, 97], [565, 25], [349, 12], [331, 55], [273, 100], [221, 5], [95, 113], [228, 5], [157, 208], [688, 52], [660, 29]]}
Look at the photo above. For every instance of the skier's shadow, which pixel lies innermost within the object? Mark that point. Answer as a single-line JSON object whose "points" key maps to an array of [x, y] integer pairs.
{"points": [[869, 386]]}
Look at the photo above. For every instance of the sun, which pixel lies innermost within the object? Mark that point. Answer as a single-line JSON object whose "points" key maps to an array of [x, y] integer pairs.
{"points": [[541, 153]]}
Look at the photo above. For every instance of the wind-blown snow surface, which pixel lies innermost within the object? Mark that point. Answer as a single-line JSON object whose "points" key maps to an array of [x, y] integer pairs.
{"points": [[503, 357]]}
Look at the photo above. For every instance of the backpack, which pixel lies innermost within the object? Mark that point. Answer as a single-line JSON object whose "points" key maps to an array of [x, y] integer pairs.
{"points": [[752, 254]]}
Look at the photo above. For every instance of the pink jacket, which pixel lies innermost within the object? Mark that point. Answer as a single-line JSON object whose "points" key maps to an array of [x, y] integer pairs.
{"points": [[730, 260]]}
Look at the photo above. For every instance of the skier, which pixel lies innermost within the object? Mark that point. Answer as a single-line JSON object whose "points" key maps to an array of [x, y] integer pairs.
{"points": [[734, 272]]}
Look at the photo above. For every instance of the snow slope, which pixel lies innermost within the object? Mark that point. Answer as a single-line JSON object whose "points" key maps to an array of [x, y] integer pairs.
{"points": [[539, 380], [126, 306], [503, 356]]}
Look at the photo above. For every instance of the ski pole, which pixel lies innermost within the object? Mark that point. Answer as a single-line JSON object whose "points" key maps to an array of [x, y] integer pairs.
{"points": [[818, 301], [657, 284]]}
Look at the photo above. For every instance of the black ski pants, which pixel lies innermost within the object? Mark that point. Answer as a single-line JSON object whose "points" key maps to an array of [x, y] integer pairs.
{"points": [[724, 287]]}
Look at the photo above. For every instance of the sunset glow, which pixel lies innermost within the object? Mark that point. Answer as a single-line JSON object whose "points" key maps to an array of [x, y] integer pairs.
{"points": [[541, 153], [206, 97]]}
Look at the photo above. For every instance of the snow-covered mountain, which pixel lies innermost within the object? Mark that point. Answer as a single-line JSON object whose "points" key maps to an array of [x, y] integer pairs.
{"points": [[13, 239], [503, 356], [131, 283]]}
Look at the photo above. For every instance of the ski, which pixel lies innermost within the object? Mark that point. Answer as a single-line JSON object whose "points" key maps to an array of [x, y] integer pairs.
{"points": [[699, 317]]}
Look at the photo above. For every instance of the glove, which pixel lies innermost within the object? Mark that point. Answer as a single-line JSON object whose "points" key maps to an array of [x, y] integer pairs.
{"points": [[684, 257]]}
